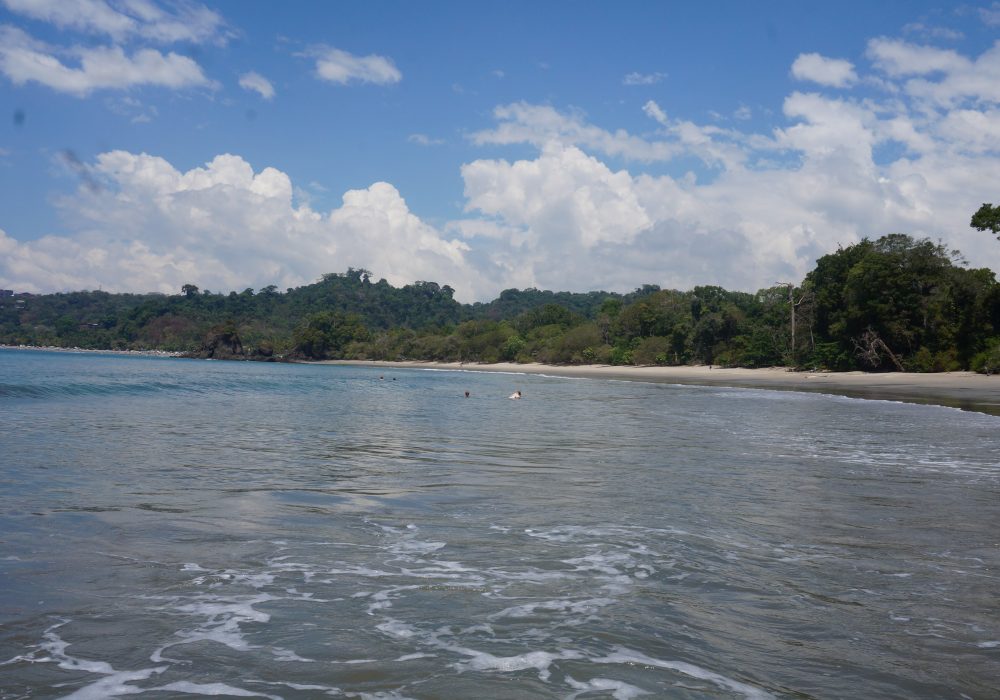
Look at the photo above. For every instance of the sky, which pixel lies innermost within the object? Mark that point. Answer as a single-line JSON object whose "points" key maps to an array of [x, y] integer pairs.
{"points": [[570, 146]]}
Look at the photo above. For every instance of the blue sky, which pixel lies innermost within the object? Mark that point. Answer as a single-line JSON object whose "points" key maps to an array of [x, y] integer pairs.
{"points": [[571, 146]]}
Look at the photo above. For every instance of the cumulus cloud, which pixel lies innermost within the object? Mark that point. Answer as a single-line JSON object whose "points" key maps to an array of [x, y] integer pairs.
{"points": [[722, 206], [832, 72], [151, 227], [341, 67], [24, 59], [564, 220], [256, 82], [778, 200]]}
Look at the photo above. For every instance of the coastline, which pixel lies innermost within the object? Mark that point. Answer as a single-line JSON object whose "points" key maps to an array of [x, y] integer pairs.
{"points": [[55, 348], [965, 390]]}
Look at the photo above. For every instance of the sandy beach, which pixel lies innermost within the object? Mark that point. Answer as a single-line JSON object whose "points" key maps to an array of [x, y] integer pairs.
{"points": [[966, 390]]}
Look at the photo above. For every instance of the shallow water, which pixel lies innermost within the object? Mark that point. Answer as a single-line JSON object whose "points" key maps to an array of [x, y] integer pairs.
{"points": [[179, 528]]}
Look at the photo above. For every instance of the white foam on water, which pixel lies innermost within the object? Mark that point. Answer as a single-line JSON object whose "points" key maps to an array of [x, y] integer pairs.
{"points": [[541, 661], [364, 571], [620, 690], [212, 689], [587, 608], [381, 695], [529, 576], [282, 654], [447, 571], [114, 682], [622, 655], [414, 546], [113, 685], [382, 600], [223, 617], [992, 644], [398, 629], [327, 689], [258, 580]]}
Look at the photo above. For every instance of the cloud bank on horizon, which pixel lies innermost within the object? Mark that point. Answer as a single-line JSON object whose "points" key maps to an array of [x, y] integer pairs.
{"points": [[902, 136]]}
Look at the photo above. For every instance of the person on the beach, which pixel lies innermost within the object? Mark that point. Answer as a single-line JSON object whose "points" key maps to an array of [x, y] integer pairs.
{"points": [[515, 395]]}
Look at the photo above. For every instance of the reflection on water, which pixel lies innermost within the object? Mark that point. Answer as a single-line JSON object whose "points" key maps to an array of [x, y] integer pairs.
{"points": [[208, 528]]}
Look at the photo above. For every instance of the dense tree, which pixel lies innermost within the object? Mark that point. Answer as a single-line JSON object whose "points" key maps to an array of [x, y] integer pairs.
{"points": [[898, 297], [987, 218], [883, 304]]}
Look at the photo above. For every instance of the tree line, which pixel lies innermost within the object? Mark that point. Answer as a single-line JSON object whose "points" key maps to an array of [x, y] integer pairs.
{"points": [[894, 303]]}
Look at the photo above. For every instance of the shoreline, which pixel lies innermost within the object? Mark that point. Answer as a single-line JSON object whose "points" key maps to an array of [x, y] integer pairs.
{"points": [[968, 391], [964, 390], [56, 348]]}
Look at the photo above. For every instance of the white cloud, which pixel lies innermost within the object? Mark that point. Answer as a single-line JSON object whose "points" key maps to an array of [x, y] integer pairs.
{"points": [[653, 111], [918, 159], [942, 78], [150, 227], [976, 132], [424, 140], [127, 18], [820, 181], [832, 72], [564, 193], [931, 32], [643, 78], [898, 58], [990, 15], [23, 59], [539, 125], [342, 67], [83, 15], [257, 83]]}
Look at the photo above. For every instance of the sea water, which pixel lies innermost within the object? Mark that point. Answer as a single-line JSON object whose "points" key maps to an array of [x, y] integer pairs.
{"points": [[177, 528]]}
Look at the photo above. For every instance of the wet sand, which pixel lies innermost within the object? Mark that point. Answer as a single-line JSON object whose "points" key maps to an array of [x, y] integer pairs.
{"points": [[966, 390]]}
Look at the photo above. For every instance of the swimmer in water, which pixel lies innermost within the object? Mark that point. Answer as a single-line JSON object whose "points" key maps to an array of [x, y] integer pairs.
{"points": [[515, 395]]}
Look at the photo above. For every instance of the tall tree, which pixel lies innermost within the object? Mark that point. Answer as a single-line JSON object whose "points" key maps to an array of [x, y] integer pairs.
{"points": [[987, 219]]}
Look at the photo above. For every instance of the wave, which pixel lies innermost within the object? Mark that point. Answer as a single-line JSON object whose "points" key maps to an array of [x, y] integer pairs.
{"points": [[46, 391]]}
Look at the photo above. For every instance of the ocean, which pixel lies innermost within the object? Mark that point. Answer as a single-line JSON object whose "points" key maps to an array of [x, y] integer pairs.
{"points": [[181, 528]]}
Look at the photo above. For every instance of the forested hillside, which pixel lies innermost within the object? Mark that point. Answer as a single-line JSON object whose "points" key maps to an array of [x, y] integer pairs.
{"points": [[889, 304]]}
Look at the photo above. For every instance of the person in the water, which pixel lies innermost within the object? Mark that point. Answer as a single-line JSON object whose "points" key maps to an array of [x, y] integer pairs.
{"points": [[515, 395]]}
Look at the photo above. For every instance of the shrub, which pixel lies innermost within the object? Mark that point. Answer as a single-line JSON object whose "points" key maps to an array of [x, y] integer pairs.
{"points": [[987, 361]]}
